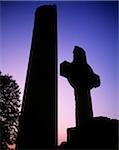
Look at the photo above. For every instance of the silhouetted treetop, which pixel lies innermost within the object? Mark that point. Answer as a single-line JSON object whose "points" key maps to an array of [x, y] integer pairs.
{"points": [[9, 109]]}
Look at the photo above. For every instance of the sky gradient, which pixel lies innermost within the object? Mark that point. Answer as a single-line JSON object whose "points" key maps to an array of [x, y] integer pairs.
{"points": [[91, 25]]}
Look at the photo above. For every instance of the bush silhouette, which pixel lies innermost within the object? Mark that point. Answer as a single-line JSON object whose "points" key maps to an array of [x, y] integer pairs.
{"points": [[9, 109]]}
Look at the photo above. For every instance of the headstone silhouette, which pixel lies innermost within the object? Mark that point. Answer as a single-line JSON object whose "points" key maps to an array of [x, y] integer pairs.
{"points": [[38, 122], [82, 78], [90, 132]]}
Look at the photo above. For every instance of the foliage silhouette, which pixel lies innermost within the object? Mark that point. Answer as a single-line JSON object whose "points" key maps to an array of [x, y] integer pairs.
{"points": [[9, 109]]}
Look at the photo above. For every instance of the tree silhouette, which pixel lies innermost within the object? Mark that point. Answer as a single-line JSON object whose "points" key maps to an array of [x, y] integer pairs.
{"points": [[9, 109]]}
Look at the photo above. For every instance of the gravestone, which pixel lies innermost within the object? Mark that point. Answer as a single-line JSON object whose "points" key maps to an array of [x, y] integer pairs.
{"points": [[82, 78], [90, 132], [38, 122]]}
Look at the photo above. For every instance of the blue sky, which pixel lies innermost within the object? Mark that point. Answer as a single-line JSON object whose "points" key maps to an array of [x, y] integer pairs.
{"points": [[91, 25]]}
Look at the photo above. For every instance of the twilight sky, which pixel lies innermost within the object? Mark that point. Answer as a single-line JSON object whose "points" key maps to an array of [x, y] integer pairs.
{"points": [[91, 25]]}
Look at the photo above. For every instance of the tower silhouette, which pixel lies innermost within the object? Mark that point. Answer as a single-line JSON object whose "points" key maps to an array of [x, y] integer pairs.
{"points": [[38, 122]]}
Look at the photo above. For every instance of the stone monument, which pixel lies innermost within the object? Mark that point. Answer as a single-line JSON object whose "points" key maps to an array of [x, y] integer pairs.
{"points": [[38, 122], [82, 78], [90, 132]]}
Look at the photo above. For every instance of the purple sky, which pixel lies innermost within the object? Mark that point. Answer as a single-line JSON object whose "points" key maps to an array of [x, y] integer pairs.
{"points": [[91, 25]]}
